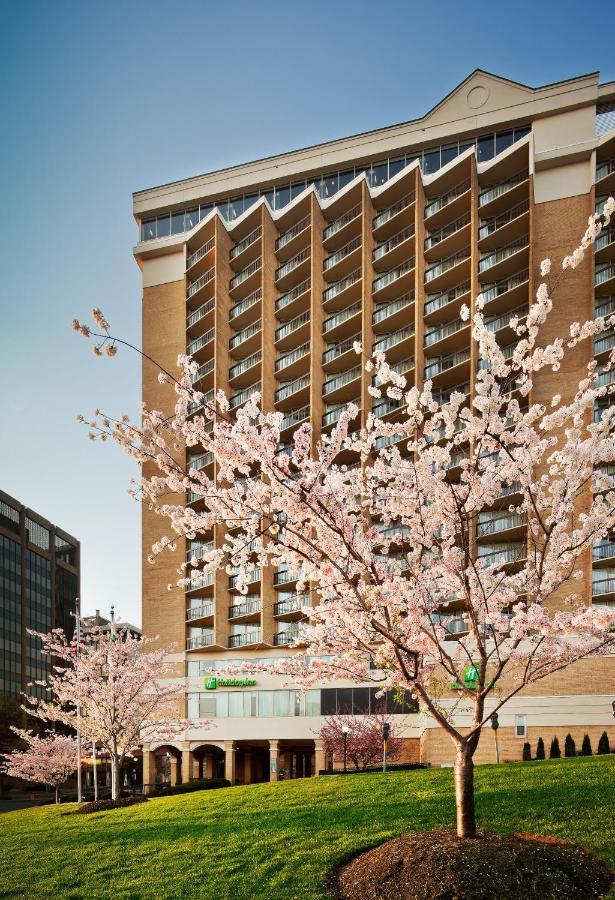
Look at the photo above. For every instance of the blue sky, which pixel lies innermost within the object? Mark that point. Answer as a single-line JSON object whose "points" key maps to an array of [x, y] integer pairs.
{"points": [[98, 100]]}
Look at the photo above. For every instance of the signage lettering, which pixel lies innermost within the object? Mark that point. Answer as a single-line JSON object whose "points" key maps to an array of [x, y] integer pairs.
{"points": [[213, 682]]}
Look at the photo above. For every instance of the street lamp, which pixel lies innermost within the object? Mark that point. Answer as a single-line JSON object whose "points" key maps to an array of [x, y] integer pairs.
{"points": [[386, 732], [345, 730], [495, 724]]}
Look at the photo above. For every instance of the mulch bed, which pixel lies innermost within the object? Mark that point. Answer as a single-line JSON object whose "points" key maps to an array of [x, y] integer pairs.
{"points": [[437, 865], [103, 805]]}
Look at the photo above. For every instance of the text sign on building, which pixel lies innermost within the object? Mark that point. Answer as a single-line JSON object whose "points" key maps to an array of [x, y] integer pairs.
{"points": [[213, 682]]}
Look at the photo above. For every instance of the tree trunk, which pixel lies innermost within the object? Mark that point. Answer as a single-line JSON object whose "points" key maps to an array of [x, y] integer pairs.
{"points": [[57, 794], [464, 792], [115, 777]]}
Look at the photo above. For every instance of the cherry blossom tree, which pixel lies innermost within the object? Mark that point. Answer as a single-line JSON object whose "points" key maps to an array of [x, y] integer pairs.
{"points": [[363, 743], [388, 545], [48, 759], [124, 689]]}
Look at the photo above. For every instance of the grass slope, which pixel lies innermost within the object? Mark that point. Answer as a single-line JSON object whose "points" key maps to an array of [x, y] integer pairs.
{"points": [[280, 840]]}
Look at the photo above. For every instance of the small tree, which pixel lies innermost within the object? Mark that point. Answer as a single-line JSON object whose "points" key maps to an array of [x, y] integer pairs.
{"points": [[586, 746], [527, 752], [570, 748], [554, 751], [603, 744], [364, 745], [116, 681], [540, 749], [50, 759]]}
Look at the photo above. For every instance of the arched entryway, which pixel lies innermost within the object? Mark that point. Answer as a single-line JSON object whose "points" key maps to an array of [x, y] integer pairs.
{"points": [[167, 765], [251, 762], [296, 759], [208, 761]]}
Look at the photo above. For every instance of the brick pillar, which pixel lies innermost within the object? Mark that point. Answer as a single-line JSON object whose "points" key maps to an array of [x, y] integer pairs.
{"points": [[187, 764], [230, 748], [174, 771], [149, 771], [274, 760], [320, 760]]}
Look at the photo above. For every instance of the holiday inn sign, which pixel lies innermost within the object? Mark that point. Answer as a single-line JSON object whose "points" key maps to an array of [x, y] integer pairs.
{"points": [[214, 682]]}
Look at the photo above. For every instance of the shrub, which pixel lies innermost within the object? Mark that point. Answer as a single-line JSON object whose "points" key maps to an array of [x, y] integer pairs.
{"points": [[527, 752], [198, 784], [555, 752], [103, 805], [570, 748], [540, 749], [603, 744], [586, 746]]}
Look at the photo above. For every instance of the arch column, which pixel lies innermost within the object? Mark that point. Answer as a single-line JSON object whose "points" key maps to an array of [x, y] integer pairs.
{"points": [[149, 771], [320, 760], [187, 764], [274, 760], [230, 748], [175, 770]]}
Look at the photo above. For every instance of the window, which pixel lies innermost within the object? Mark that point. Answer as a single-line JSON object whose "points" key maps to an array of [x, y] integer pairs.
{"points": [[296, 189], [448, 153], [329, 185], [396, 165], [345, 178], [177, 222], [282, 195], [431, 161], [520, 729], [380, 173], [192, 218], [65, 551], [328, 704], [163, 226], [204, 211], [148, 230], [360, 701], [9, 517], [37, 534], [485, 148], [235, 208]]}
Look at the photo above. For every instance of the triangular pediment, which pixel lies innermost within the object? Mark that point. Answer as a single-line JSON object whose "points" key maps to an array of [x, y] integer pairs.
{"points": [[480, 93]]}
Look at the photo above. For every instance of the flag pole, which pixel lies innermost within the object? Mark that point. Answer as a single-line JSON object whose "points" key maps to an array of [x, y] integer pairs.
{"points": [[79, 786]]}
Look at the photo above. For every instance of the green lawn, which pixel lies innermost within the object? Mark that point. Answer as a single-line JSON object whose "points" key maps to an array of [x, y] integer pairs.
{"points": [[279, 840]]}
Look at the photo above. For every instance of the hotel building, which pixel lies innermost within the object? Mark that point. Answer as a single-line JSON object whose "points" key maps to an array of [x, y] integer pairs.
{"points": [[266, 273], [39, 584]]}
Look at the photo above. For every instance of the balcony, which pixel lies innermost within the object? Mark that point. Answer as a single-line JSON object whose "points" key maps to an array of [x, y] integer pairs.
{"points": [[241, 368], [195, 317], [398, 279], [288, 360], [388, 310], [249, 241], [446, 363], [284, 576], [199, 580], [604, 169], [490, 523], [445, 200], [506, 290], [284, 638], [331, 416], [395, 533], [242, 337], [603, 343], [438, 333], [293, 264], [237, 313], [332, 323], [384, 217], [339, 224], [436, 302], [245, 638], [501, 554], [202, 371], [342, 287], [289, 236], [194, 407], [332, 385], [605, 584], [443, 396], [195, 286], [506, 225], [392, 251], [246, 275], [437, 271], [334, 260], [442, 235], [291, 606], [489, 200], [287, 299], [387, 406], [387, 341], [201, 462], [200, 612], [604, 276], [200, 342], [498, 322], [295, 417], [248, 608], [198, 549], [603, 550], [240, 397], [403, 367], [201, 640], [334, 353], [291, 327], [198, 255], [502, 259], [604, 246], [290, 388]]}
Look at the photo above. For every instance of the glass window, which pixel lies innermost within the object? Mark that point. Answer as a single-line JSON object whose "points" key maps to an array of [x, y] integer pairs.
{"points": [[282, 196], [222, 207], [312, 703], [521, 132], [431, 161], [465, 145], [265, 703], [192, 218], [163, 226], [207, 706], [235, 208], [235, 703], [376, 704], [328, 702], [344, 701], [345, 178], [394, 706], [193, 706], [380, 173], [411, 157], [250, 700], [448, 153], [485, 147], [360, 701], [283, 702], [330, 185], [503, 140], [204, 211], [520, 729], [194, 670], [222, 705], [37, 534], [249, 201], [268, 195], [396, 165], [296, 189], [148, 230], [177, 222]]}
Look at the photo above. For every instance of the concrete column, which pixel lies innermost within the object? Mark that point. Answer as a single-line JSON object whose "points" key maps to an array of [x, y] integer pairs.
{"points": [[274, 760], [230, 748], [208, 766], [174, 771], [149, 771], [247, 768], [320, 759], [187, 764]]}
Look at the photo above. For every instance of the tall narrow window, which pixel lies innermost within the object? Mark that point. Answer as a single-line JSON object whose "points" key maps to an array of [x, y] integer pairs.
{"points": [[520, 729]]}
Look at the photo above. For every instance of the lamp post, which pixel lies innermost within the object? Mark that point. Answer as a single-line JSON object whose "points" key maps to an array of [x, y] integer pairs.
{"points": [[386, 731], [495, 724], [345, 730]]}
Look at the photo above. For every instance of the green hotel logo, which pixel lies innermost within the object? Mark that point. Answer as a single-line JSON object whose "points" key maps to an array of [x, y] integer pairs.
{"points": [[212, 682], [470, 676]]}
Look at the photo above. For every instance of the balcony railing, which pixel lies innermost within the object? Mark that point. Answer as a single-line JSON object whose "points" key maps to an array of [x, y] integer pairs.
{"points": [[443, 396], [339, 255], [296, 604], [292, 325], [333, 321], [295, 417], [282, 638], [239, 308], [497, 222], [603, 550], [339, 286], [383, 217], [391, 531], [246, 242], [198, 549], [443, 363], [195, 286], [386, 406], [245, 638], [284, 576], [392, 275], [497, 288], [201, 640], [200, 580], [241, 397], [507, 350], [199, 612], [334, 384], [199, 313], [388, 245], [606, 342], [292, 387], [287, 298], [603, 586], [401, 367], [438, 301], [445, 264], [443, 200], [194, 407], [605, 306], [499, 190], [500, 554], [288, 267], [292, 233], [245, 364], [439, 332], [201, 341], [604, 239], [202, 371], [289, 358], [339, 349], [242, 336], [245, 273], [201, 461], [495, 323], [331, 416], [389, 309], [491, 259], [390, 340], [438, 236], [605, 168], [338, 224], [488, 523], [200, 253], [245, 609]]}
